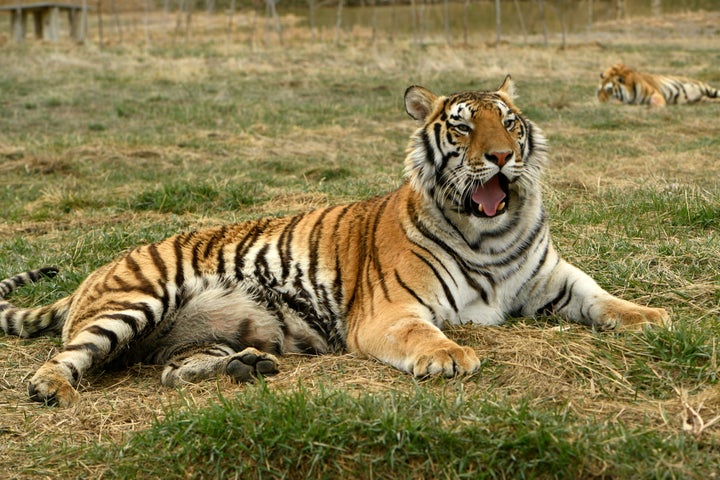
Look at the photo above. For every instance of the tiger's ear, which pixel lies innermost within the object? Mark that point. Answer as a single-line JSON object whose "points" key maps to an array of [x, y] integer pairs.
{"points": [[419, 102], [508, 87]]}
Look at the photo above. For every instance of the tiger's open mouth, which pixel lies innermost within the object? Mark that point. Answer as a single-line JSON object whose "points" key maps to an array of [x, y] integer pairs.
{"points": [[491, 198]]}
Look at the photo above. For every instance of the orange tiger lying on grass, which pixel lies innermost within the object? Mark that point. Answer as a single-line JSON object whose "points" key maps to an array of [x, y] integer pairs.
{"points": [[630, 86], [464, 239]]}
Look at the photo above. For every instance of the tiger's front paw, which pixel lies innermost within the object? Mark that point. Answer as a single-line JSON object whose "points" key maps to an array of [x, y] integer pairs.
{"points": [[623, 315], [53, 390], [447, 361]]}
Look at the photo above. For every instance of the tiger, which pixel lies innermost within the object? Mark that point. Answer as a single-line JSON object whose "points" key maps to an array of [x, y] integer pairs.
{"points": [[627, 85], [463, 240]]}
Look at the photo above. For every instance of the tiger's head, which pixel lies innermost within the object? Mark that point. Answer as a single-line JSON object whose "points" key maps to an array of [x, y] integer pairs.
{"points": [[475, 154], [616, 82]]}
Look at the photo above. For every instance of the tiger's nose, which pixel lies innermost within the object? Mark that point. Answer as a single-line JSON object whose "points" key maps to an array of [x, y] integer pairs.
{"points": [[499, 158]]}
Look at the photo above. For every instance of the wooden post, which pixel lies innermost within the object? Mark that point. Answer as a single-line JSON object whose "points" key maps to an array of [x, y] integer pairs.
{"points": [[38, 24], [51, 24], [18, 21]]}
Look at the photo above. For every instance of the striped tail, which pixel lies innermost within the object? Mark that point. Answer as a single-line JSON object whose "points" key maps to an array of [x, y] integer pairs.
{"points": [[29, 322], [711, 92]]}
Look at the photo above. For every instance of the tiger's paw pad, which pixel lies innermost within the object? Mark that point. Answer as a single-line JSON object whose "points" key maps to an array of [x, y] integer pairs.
{"points": [[248, 364], [52, 392], [447, 362]]}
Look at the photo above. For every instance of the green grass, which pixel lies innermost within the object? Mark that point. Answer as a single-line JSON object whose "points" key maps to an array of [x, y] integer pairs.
{"points": [[331, 434], [102, 151]]}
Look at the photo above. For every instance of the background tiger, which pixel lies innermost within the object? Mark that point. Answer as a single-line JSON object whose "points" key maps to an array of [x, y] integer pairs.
{"points": [[464, 239], [627, 85]]}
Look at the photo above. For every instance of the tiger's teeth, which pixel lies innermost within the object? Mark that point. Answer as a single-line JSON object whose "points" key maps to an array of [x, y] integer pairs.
{"points": [[501, 205], [480, 209]]}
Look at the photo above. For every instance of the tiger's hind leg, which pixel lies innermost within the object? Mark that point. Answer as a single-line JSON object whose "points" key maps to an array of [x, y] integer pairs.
{"points": [[202, 362], [95, 343]]}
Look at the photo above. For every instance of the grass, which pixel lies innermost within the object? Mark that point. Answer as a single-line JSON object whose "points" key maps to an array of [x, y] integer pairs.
{"points": [[104, 150]]}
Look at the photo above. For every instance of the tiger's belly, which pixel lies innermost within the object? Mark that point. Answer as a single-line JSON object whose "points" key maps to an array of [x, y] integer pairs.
{"points": [[239, 316]]}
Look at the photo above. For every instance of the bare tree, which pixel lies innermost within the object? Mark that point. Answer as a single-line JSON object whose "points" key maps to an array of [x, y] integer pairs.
{"points": [[116, 17], [521, 19], [466, 8], [391, 37], [541, 10], [146, 27], [166, 14], [560, 6], [83, 22], [413, 14], [656, 7], [311, 6], [231, 15], [619, 9], [498, 23], [338, 23], [373, 21], [446, 17], [421, 21], [100, 23], [271, 11], [188, 19], [209, 10]]}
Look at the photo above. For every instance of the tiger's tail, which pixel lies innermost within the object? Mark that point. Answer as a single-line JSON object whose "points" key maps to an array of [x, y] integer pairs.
{"points": [[711, 92], [30, 322]]}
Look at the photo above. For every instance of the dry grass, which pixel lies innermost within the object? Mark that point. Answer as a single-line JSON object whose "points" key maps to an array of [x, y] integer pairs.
{"points": [[551, 365]]}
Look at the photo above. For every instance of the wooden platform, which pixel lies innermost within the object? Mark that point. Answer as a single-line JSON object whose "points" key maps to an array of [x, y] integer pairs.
{"points": [[46, 19]]}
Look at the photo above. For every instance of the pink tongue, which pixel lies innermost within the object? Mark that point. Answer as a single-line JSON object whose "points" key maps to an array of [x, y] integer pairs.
{"points": [[489, 196]]}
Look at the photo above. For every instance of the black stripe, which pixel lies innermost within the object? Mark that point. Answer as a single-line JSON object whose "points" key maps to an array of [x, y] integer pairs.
{"points": [[465, 267], [285, 246], [217, 237], [146, 310], [337, 281], [74, 372], [446, 289], [162, 269], [262, 268], [129, 320], [245, 244], [195, 259], [412, 292], [561, 300], [104, 332], [146, 285], [314, 247], [375, 253], [179, 271], [89, 346]]}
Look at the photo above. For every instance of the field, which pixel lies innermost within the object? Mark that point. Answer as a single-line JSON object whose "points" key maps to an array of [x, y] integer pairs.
{"points": [[105, 149]]}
